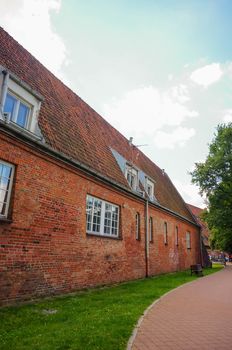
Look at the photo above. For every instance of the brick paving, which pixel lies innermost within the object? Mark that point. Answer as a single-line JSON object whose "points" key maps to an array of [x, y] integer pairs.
{"points": [[197, 315]]}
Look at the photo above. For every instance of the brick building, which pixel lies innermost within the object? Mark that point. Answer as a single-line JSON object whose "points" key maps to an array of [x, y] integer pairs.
{"points": [[80, 205], [205, 233]]}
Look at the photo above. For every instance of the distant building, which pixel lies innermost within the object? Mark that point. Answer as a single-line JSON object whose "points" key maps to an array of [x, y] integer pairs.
{"points": [[204, 228], [80, 205]]}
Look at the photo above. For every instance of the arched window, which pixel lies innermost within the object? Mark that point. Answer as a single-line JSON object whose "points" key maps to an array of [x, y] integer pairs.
{"points": [[137, 226], [150, 229], [165, 233]]}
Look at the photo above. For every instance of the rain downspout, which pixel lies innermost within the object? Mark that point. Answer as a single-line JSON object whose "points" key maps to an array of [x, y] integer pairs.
{"points": [[146, 239], [4, 92]]}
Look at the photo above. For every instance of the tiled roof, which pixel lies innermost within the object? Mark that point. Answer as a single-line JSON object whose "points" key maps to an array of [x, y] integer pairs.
{"points": [[71, 126]]}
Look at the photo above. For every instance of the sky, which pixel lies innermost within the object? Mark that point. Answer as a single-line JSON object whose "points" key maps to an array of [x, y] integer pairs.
{"points": [[160, 71]]}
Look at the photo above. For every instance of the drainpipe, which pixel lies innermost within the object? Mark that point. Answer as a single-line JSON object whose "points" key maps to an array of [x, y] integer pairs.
{"points": [[201, 242], [4, 92], [146, 239]]}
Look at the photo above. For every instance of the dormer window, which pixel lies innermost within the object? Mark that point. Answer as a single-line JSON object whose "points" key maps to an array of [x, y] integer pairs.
{"points": [[20, 104], [18, 110], [132, 177], [149, 187]]}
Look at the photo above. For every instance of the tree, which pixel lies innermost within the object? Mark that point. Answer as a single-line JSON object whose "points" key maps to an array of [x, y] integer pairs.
{"points": [[214, 177]]}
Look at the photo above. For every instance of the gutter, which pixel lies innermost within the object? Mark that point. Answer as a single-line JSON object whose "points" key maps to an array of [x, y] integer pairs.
{"points": [[33, 141], [147, 237], [5, 75]]}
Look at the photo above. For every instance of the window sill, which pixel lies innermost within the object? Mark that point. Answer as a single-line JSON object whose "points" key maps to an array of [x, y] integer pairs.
{"points": [[17, 128], [5, 220], [89, 234]]}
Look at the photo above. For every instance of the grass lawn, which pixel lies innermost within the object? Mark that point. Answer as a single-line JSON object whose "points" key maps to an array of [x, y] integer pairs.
{"points": [[94, 319]]}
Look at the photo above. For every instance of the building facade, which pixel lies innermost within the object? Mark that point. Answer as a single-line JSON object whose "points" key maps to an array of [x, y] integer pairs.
{"points": [[80, 205]]}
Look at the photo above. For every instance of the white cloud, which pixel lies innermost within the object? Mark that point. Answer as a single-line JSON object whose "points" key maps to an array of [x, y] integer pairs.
{"points": [[207, 75], [227, 118], [178, 137], [146, 110], [190, 193], [29, 22]]}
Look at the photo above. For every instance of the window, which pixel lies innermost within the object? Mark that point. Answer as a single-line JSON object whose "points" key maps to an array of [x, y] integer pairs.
{"points": [[137, 226], [6, 179], [21, 105], [149, 186], [150, 229], [102, 218], [132, 177], [188, 240], [165, 233], [18, 110], [177, 236]]}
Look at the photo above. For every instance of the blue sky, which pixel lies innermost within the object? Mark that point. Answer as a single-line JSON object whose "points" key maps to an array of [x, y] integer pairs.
{"points": [[158, 70]]}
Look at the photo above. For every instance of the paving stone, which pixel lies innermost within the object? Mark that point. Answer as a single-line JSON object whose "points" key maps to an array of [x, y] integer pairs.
{"points": [[196, 316]]}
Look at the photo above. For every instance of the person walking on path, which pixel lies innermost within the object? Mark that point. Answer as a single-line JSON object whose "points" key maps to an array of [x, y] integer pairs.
{"points": [[195, 316]]}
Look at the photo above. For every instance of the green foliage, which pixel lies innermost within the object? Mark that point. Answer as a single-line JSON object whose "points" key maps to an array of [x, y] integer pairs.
{"points": [[95, 319], [214, 177]]}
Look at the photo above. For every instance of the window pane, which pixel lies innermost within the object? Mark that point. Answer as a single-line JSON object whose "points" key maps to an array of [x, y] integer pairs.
{"points": [[10, 104], [2, 208], [93, 214], [5, 188], [22, 115], [3, 195], [111, 219], [6, 171], [4, 183]]}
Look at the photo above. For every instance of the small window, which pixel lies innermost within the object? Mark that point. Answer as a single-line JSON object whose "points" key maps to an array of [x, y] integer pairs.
{"points": [[18, 110], [177, 236], [132, 177], [6, 180], [151, 229], [149, 186], [137, 226], [21, 106], [102, 218], [165, 233], [188, 240]]}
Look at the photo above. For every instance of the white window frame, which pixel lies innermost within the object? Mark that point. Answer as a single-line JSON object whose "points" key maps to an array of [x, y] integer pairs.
{"points": [[130, 170], [102, 217], [13, 117], [8, 198], [149, 184], [188, 240], [22, 94]]}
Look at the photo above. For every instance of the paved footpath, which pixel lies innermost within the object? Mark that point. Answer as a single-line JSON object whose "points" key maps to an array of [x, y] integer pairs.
{"points": [[197, 315]]}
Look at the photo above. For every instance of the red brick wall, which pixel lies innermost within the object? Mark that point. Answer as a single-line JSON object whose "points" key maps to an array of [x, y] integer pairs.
{"points": [[45, 250], [170, 257]]}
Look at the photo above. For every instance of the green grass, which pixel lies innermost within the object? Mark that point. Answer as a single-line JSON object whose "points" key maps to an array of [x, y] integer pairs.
{"points": [[101, 318]]}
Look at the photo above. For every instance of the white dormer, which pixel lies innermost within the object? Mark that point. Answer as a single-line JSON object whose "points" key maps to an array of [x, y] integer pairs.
{"points": [[149, 188], [20, 104], [131, 175]]}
